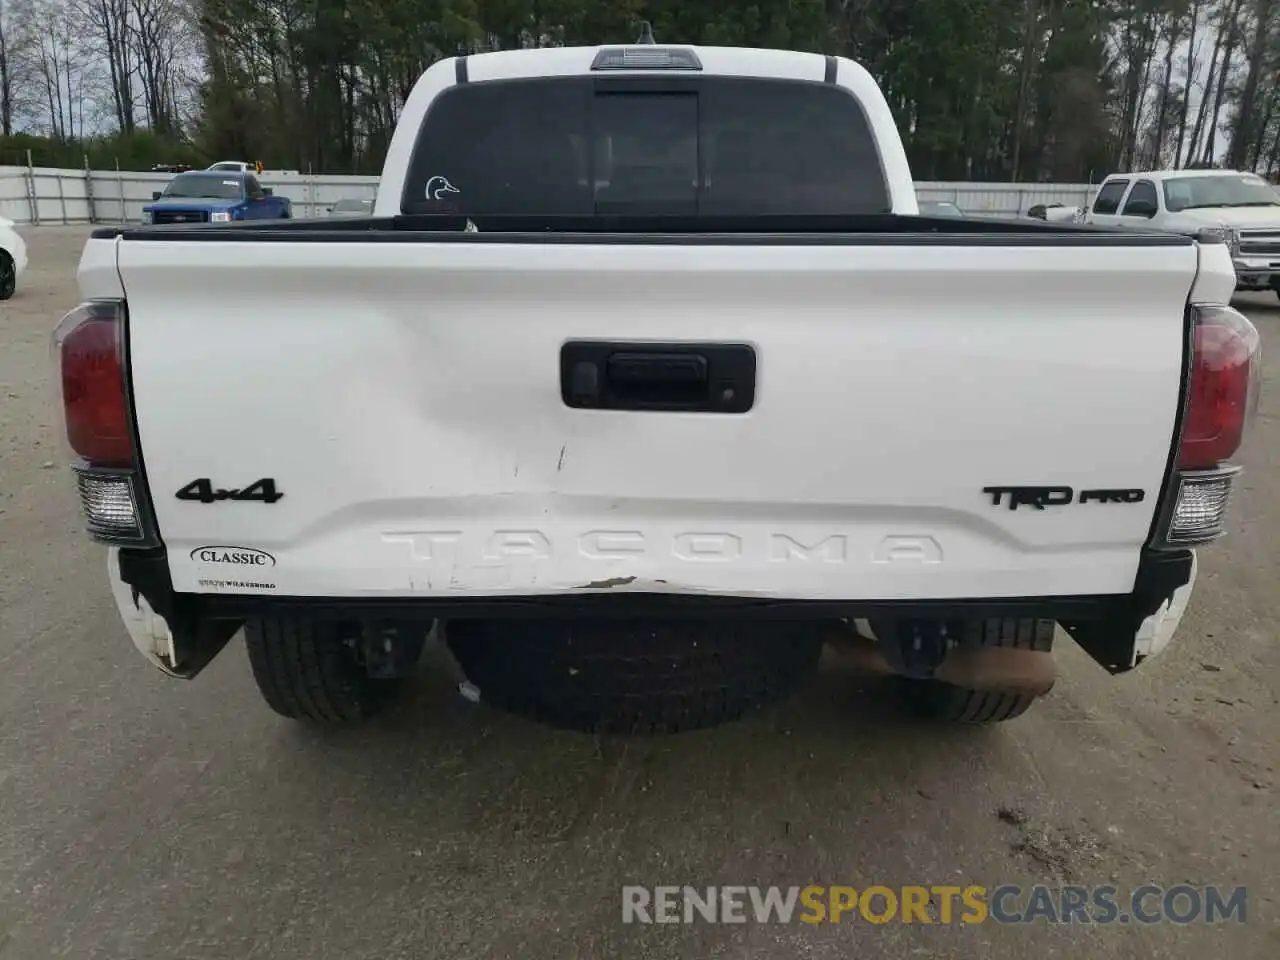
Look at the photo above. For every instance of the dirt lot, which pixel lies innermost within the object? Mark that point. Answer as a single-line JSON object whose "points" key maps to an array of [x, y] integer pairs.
{"points": [[143, 817]]}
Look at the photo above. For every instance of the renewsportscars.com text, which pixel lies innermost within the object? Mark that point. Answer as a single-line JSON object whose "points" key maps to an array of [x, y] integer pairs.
{"points": [[940, 904]]}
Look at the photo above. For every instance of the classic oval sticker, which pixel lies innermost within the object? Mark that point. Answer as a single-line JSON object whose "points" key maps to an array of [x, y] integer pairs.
{"points": [[235, 556]]}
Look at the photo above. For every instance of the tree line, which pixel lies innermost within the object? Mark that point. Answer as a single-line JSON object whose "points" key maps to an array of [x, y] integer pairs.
{"points": [[1063, 90]]}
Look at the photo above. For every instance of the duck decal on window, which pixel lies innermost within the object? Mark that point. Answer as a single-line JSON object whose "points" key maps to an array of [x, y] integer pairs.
{"points": [[438, 187]]}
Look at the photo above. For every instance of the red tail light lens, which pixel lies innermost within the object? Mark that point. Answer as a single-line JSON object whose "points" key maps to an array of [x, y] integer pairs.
{"points": [[1223, 393], [90, 352]]}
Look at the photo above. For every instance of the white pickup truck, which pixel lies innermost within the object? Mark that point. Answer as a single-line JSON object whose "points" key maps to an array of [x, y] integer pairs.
{"points": [[644, 379], [1243, 205]]}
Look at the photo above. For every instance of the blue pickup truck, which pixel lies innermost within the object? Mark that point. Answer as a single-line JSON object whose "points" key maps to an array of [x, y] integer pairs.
{"points": [[205, 196]]}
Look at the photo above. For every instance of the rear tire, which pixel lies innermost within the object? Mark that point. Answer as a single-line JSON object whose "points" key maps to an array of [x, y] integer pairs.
{"points": [[951, 704], [311, 670], [628, 676]]}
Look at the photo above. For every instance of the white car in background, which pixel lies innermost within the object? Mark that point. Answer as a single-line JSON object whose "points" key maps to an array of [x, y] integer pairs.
{"points": [[1188, 201], [13, 258]]}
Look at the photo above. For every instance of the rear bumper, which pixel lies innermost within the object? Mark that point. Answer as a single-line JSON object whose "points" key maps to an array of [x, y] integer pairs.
{"points": [[181, 632]]}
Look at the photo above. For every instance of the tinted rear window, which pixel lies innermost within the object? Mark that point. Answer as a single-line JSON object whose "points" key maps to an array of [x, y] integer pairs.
{"points": [[709, 145]]}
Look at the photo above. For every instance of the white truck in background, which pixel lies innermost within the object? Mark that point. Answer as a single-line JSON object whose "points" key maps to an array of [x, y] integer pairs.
{"points": [[644, 378], [237, 166], [1243, 205], [246, 166]]}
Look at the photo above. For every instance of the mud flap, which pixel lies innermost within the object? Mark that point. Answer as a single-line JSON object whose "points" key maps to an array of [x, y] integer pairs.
{"points": [[1141, 624]]}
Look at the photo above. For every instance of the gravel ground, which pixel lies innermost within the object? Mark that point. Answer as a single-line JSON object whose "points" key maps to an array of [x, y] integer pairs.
{"points": [[144, 817]]}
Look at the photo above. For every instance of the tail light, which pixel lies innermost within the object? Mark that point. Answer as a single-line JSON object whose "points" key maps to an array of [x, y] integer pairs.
{"points": [[89, 353], [90, 347], [1222, 395], [1222, 399]]}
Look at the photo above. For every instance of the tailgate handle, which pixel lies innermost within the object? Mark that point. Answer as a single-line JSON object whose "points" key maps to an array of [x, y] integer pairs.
{"points": [[653, 370], [673, 377]]}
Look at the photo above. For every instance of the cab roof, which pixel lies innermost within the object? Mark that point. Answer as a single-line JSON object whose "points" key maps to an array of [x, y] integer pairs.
{"points": [[1170, 174]]}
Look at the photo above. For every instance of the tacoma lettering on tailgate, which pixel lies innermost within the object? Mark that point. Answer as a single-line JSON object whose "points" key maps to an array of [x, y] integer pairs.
{"points": [[692, 547]]}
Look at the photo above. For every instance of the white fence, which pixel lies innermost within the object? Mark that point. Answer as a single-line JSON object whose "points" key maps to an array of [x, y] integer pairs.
{"points": [[1006, 199], [44, 195]]}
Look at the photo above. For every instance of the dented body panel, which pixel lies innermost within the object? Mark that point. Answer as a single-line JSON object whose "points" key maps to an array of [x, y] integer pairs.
{"points": [[420, 443]]}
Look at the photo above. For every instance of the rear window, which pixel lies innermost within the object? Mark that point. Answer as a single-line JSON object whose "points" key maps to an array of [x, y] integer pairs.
{"points": [[210, 186], [582, 146]]}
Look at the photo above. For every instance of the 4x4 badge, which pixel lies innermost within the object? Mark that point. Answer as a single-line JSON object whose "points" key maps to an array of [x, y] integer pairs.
{"points": [[202, 491]]}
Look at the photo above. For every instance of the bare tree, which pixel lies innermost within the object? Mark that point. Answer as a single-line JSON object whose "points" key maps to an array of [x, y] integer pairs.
{"points": [[1172, 37], [1231, 30], [16, 87], [107, 23], [1137, 33], [1243, 135], [1202, 109], [60, 65], [50, 54], [6, 77], [1193, 67], [150, 26]]}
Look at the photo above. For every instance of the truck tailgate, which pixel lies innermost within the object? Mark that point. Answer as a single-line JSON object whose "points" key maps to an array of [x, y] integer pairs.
{"points": [[405, 398]]}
